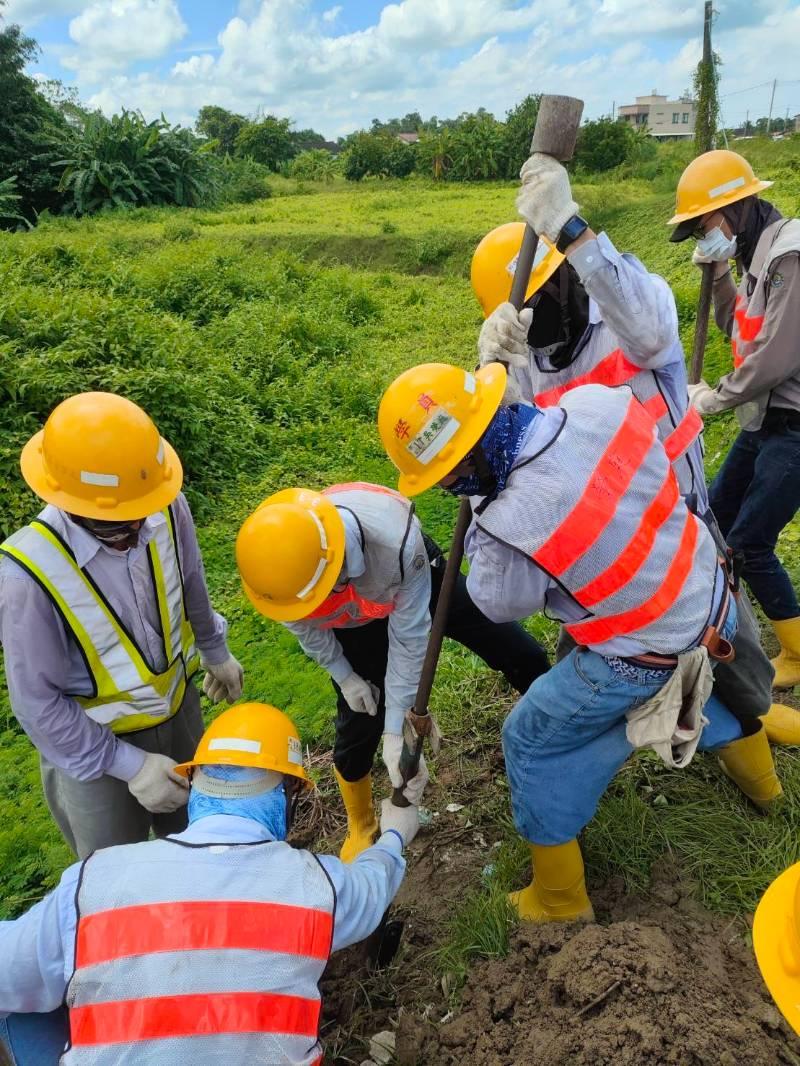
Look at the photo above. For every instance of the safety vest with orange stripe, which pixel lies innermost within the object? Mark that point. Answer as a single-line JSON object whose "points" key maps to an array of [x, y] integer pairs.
{"points": [[751, 298], [192, 954], [600, 511], [601, 362], [385, 522]]}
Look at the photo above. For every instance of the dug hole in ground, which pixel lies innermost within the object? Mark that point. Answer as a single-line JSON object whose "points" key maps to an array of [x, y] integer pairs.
{"points": [[658, 979]]}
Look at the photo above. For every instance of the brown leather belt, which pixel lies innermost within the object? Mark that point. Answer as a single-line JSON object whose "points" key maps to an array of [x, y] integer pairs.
{"points": [[719, 649]]}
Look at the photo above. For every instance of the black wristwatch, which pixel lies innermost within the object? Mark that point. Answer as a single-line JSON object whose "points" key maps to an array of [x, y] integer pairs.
{"points": [[570, 232]]}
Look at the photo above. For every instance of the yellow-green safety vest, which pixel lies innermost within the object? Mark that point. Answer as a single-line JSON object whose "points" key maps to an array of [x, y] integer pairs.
{"points": [[128, 694]]}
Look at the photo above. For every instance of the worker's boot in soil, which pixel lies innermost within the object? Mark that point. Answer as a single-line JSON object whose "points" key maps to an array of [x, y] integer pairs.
{"points": [[748, 762], [557, 892], [787, 663], [362, 825], [782, 724]]}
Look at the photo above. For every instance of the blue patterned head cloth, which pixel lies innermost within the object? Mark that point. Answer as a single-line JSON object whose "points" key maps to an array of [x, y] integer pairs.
{"points": [[240, 790]]}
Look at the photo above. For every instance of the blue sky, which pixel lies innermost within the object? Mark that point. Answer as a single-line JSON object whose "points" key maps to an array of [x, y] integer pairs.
{"points": [[335, 66]]}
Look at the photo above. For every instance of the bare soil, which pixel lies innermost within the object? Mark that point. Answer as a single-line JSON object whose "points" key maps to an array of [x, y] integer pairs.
{"points": [[658, 980]]}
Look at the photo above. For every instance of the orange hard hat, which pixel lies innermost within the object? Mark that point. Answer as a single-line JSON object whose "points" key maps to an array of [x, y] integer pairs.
{"points": [[100, 456], [251, 734]]}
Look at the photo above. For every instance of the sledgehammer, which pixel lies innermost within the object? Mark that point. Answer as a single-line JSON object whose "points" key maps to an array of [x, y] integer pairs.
{"points": [[556, 132]]}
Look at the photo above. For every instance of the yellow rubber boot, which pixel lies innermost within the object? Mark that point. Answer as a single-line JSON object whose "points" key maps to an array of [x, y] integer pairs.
{"points": [[787, 663], [557, 892], [362, 825], [782, 724], [748, 763]]}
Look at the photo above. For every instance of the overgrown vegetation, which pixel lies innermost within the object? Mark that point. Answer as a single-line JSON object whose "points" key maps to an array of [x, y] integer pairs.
{"points": [[260, 337]]}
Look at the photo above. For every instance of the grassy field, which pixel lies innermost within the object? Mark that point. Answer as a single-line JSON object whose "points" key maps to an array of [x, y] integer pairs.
{"points": [[260, 339]]}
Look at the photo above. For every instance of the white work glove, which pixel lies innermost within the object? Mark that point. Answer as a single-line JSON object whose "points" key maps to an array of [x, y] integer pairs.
{"points": [[392, 750], [224, 682], [545, 199], [157, 787], [703, 398], [404, 820], [361, 696], [504, 336]]}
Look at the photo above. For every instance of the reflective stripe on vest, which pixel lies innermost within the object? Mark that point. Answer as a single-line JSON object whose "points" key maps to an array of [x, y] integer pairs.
{"points": [[745, 330], [338, 606], [616, 369], [185, 953], [128, 694], [614, 531], [347, 603]]}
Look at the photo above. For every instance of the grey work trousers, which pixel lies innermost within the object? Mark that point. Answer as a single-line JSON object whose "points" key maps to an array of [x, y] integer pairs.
{"points": [[744, 685], [100, 813]]}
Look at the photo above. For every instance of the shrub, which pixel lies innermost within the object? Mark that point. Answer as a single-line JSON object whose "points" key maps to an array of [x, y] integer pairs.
{"points": [[242, 181], [316, 164], [603, 144]]}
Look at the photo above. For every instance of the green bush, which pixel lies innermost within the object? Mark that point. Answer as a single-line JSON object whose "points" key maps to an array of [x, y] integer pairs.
{"points": [[242, 181], [316, 164]]}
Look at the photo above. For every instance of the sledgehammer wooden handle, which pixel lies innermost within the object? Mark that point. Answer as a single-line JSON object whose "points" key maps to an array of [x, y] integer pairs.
{"points": [[557, 124]]}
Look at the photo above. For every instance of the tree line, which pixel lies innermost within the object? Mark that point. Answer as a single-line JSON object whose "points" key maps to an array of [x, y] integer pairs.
{"points": [[58, 156]]}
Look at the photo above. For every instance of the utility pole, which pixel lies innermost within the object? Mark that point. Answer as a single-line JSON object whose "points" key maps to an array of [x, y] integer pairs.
{"points": [[747, 124], [771, 102], [707, 111]]}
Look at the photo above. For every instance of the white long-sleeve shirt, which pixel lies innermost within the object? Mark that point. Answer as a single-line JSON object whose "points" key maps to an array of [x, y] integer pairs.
{"points": [[409, 626], [37, 950]]}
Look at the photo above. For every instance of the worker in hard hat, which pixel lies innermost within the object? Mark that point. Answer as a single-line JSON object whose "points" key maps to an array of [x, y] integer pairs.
{"points": [[595, 316], [577, 510], [104, 619], [757, 490], [349, 571], [776, 942], [207, 945]]}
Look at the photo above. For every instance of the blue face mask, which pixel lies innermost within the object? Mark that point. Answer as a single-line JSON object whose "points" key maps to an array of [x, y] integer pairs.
{"points": [[500, 443], [716, 246], [268, 808]]}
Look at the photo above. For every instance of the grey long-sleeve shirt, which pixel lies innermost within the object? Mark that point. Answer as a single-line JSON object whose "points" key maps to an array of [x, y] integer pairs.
{"points": [[773, 366], [409, 626], [42, 661]]}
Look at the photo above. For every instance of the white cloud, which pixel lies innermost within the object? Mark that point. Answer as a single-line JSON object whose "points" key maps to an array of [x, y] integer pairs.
{"points": [[112, 34], [332, 14], [29, 12], [446, 56]]}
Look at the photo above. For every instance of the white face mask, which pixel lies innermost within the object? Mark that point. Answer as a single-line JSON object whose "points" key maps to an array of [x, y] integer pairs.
{"points": [[716, 246]]}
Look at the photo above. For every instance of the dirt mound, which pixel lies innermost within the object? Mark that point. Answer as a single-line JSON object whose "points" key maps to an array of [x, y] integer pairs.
{"points": [[656, 984]]}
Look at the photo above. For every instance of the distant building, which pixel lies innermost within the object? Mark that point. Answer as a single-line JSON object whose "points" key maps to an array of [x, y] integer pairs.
{"points": [[667, 120], [797, 123], [408, 138]]}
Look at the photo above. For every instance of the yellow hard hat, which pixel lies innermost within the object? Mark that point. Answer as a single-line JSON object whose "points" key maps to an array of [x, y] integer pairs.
{"points": [[100, 456], [433, 415], [711, 181], [290, 553], [776, 940], [251, 734], [495, 260]]}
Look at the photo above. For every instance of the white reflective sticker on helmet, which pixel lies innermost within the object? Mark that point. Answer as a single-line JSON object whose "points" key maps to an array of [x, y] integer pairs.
{"points": [[295, 753], [469, 383], [542, 252], [437, 431], [160, 452], [729, 186], [235, 744], [109, 480]]}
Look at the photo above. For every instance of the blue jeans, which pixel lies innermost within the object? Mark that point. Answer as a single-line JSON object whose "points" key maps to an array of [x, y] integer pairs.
{"points": [[565, 739], [755, 494], [35, 1039]]}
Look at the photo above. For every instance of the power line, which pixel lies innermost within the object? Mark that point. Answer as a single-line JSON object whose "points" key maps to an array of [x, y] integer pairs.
{"points": [[761, 85]]}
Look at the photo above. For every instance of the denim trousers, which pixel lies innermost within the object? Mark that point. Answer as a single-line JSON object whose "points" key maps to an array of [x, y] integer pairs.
{"points": [[565, 739], [34, 1039], [755, 494]]}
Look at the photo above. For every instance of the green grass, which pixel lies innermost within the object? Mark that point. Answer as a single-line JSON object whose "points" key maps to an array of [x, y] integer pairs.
{"points": [[260, 337]]}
